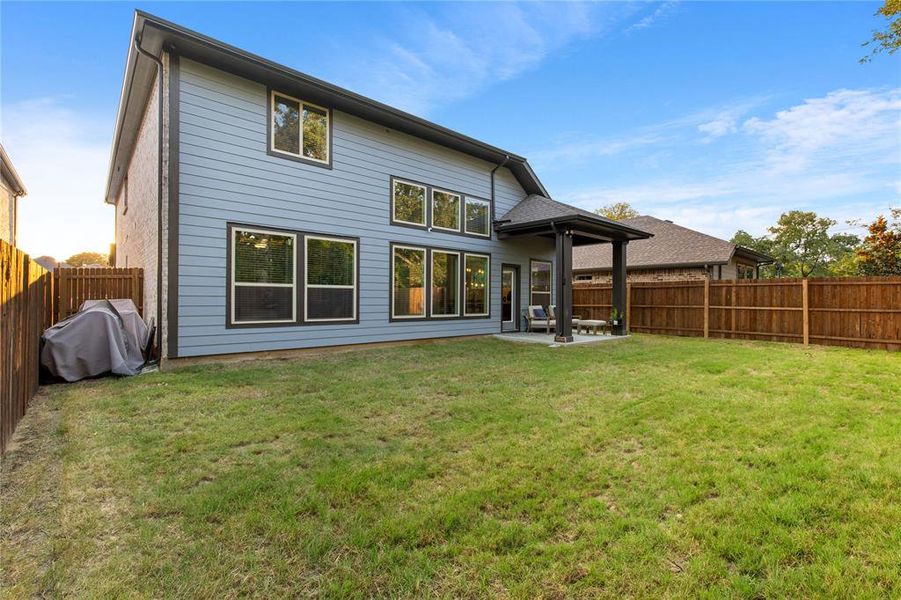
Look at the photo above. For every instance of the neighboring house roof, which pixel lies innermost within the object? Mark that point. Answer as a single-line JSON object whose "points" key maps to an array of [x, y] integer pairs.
{"points": [[672, 246], [155, 33], [9, 173], [48, 262], [536, 210]]}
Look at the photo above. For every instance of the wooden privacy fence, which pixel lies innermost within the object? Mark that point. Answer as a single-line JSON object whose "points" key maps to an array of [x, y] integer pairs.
{"points": [[26, 309], [31, 300], [74, 286], [862, 312]]}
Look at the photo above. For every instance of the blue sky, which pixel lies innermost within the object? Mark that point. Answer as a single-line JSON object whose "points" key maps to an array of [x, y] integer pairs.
{"points": [[717, 115]]}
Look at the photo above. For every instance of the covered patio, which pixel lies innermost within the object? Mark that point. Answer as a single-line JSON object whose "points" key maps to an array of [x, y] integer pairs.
{"points": [[569, 226]]}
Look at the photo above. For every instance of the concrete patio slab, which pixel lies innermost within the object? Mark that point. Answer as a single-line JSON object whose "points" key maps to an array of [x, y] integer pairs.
{"points": [[548, 340]]}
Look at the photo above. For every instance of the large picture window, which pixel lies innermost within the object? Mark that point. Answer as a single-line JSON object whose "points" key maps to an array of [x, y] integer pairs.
{"points": [[475, 284], [330, 292], [408, 282], [445, 210], [263, 276], [478, 216], [445, 283], [408, 203], [540, 286], [299, 129]]}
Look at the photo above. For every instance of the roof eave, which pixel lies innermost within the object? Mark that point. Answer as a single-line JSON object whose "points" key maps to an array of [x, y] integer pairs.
{"points": [[192, 42], [10, 173], [618, 231]]}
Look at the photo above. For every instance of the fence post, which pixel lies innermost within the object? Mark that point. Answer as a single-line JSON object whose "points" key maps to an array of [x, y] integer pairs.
{"points": [[805, 311], [62, 292], [707, 306], [733, 309]]}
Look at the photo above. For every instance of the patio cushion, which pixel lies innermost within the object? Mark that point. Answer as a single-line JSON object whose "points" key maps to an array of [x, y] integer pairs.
{"points": [[538, 313]]}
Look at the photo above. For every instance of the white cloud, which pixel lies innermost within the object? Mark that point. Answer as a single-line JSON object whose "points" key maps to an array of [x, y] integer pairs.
{"points": [[659, 13], [61, 156], [848, 123], [839, 155], [453, 52]]}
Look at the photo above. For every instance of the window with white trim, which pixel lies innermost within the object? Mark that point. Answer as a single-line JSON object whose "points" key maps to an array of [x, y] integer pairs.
{"points": [[445, 278], [476, 276], [330, 284], [445, 210], [299, 128], [408, 282], [540, 283], [478, 216], [408, 203], [263, 276]]}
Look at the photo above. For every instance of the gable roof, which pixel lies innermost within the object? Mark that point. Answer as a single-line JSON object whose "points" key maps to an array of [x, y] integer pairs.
{"points": [[671, 246], [155, 34], [535, 211]]}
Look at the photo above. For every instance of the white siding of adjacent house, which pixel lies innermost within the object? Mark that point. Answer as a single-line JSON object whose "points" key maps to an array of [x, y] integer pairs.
{"points": [[225, 175]]}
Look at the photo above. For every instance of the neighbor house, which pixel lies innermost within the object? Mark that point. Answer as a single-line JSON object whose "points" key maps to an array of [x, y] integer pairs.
{"points": [[675, 253], [11, 189], [271, 210]]}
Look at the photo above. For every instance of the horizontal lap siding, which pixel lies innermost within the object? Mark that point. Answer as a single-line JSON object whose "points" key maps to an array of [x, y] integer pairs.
{"points": [[226, 175]]}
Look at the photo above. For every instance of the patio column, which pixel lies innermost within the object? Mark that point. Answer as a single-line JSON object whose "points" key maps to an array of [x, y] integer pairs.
{"points": [[619, 285], [564, 331]]}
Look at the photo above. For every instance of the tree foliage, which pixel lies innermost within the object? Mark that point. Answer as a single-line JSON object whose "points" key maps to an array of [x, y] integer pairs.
{"points": [[87, 258], [617, 211], [880, 253], [802, 246], [888, 40]]}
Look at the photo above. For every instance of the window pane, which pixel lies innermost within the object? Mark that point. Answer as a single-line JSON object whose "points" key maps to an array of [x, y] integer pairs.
{"points": [[476, 216], [255, 303], [445, 210], [476, 282], [286, 125], [330, 262], [409, 282], [315, 133], [445, 283], [541, 284], [263, 257], [330, 303], [409, 203]]}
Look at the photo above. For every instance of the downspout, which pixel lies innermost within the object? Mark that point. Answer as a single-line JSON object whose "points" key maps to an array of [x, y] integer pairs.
{"points": [[493, 171], [159, 194]]}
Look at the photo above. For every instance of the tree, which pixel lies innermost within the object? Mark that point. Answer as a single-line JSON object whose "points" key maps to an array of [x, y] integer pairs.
{"points": [[889, 40], [802, 243], [880, 253], [87, 258], [618, 211]]}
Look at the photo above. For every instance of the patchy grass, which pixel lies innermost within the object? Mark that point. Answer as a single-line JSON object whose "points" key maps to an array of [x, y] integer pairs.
{"points": [[650, 467]]}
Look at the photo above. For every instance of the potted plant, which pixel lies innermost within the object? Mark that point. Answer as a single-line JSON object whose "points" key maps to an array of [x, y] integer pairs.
{"points": [[616, 319]]}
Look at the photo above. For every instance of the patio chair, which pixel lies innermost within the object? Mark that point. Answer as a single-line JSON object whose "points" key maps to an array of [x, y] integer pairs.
{"points": [[536, 317]]}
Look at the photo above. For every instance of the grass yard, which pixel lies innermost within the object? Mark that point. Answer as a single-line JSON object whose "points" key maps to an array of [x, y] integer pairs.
{"points": [[648, 467]]}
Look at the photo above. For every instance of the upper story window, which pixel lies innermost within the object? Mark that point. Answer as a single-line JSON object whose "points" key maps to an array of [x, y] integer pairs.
{"points": [[408, 203], [445, 210], [425, 206], [299, 129], [478, 215]]}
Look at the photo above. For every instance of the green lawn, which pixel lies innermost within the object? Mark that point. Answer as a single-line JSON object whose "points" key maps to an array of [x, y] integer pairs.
{"points": [[649, 467]]}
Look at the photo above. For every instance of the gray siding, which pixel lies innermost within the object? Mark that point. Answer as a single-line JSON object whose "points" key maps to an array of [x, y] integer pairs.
{"points": [[227, 176]]}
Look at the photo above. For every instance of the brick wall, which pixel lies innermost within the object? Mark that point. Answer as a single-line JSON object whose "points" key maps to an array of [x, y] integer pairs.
{"points": [[7, 214], [136, 207]]}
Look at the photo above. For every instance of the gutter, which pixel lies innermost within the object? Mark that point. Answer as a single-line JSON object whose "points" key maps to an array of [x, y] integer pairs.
{"points": [[159, 190], [493, 171]]}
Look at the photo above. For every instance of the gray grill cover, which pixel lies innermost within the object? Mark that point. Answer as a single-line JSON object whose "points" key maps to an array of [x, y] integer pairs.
{"points": [[103, 336]]}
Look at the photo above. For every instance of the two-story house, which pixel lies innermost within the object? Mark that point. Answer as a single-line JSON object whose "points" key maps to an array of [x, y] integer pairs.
{"points": [[271, 210]]}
